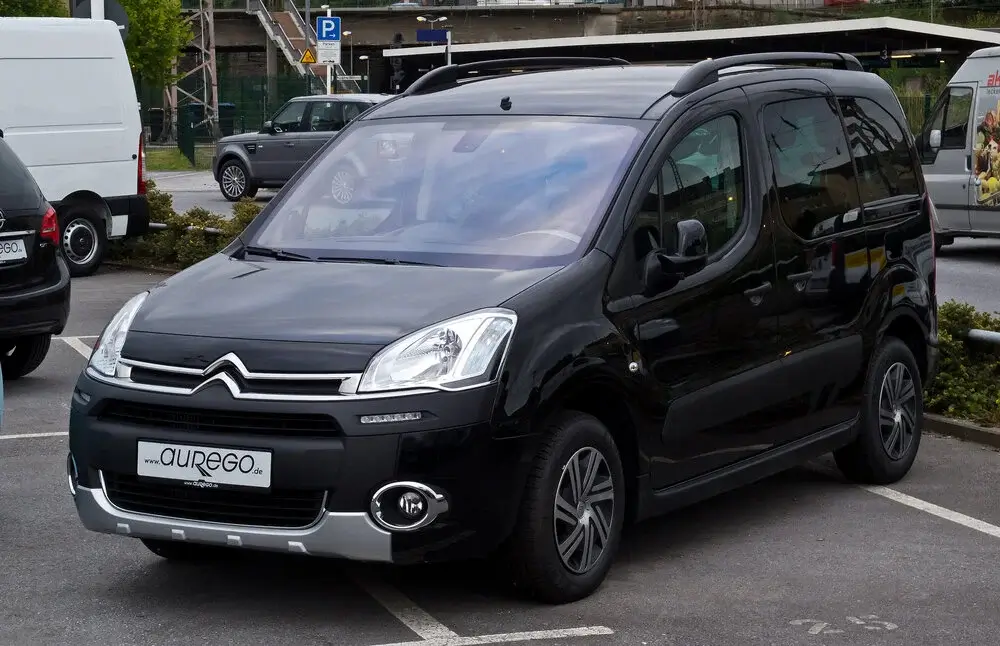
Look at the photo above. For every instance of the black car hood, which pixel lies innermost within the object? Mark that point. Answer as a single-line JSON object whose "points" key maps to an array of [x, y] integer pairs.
{"points": [[346, 302]]}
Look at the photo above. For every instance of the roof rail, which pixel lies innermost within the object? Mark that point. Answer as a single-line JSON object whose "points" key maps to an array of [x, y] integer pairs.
{"points": [[449, 74], [706, 72]]}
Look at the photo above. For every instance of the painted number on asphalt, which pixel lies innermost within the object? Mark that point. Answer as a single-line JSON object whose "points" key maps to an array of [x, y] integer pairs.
{"points": [[868, 622]]}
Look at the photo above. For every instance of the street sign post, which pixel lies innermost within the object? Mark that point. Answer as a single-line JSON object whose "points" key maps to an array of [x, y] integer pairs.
{"points": [[328, 46]]}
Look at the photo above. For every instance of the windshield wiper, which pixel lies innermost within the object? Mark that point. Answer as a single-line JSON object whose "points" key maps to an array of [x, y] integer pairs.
{"points": [[277, 254], [377, 261]]}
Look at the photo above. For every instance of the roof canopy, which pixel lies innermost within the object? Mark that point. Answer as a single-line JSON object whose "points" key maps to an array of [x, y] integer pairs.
{"points": [[851, 36]]}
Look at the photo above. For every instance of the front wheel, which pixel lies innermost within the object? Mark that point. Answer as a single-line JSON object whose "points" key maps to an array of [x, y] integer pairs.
{"points": [[84, 242], [235, 182], [572, 514], [891, 419], [24, 355]]}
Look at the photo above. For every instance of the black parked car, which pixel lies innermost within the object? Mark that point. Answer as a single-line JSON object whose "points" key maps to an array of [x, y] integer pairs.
{"points": [[559, 301], [34, 278]]}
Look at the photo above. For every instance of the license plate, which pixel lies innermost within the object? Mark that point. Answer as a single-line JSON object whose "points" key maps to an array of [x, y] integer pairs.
{"points": [[205, 465], [11, 250]]}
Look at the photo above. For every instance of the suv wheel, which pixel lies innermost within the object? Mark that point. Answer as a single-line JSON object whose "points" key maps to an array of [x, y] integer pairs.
{"points": [[344, 184], [891, 419], [24, 356], [84, 241], [572, 514], [178, 551], [235, 182]]}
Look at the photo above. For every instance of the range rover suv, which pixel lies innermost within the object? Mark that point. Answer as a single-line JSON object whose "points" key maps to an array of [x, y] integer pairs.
{"points": [[34, 277], [549, 310]]}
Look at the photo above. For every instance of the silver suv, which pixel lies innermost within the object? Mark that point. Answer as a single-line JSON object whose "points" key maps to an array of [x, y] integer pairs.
{"points": [[267, 159]]}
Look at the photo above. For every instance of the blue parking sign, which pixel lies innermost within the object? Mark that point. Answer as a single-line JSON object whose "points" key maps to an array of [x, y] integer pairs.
{"points": [[328, 28]]}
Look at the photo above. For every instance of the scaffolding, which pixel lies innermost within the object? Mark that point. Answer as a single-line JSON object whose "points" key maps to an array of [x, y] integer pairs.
{"points": [[203, 25]]}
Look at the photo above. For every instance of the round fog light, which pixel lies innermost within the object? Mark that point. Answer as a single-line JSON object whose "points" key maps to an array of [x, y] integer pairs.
{"points": [[412, 505]]}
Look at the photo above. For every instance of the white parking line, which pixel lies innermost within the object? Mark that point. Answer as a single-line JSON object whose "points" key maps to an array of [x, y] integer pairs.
{"points": [[26, 436], [505, 638], [408, 613], [935, 510], [78, 345]]}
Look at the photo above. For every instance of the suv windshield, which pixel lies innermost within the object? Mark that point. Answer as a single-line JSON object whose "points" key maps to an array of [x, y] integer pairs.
{"points": [[504, 192], [18, 190]]}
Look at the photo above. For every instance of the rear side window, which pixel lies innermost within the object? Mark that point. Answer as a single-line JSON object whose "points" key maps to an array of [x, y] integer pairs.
{"points": [[812, 165], [18, 189], [881, 152]]}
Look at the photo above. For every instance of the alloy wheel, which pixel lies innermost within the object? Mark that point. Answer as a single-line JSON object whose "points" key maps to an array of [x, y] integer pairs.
{"points": [[342, 186], [234, 181], [897, 411], [584, 510]]}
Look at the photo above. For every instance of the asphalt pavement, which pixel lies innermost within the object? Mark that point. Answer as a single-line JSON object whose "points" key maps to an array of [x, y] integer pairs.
{"points": [[800, 559], [197, 188]]}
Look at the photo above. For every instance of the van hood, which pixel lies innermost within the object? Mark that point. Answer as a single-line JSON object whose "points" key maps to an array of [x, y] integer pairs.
{"points": [[344, 303]]}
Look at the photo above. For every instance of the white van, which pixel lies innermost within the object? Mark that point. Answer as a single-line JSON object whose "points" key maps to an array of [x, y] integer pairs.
{"points": [[960, 151], [81, 138]]}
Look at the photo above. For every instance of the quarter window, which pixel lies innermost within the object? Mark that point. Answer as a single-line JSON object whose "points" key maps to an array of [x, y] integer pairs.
{"points": [[701, 179], [881, 152], [812, 165]]}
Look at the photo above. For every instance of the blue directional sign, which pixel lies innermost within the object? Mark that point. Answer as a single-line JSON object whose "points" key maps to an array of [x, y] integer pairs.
{"points": [[328, 28]]}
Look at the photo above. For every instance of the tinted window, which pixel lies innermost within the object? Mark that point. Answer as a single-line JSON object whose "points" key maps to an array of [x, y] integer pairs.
{"points": [[459, 191], [326, 116], [289, 118], [701, 179], [881, 152], [18, 189], [812, 164]]}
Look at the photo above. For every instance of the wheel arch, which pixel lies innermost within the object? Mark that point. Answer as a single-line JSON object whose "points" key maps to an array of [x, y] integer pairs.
{"points": [[904, 324], [85, 200]]}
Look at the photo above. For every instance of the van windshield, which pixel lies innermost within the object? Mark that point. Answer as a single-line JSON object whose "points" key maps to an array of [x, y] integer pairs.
{"points": [[18, 190], [497, 192]]}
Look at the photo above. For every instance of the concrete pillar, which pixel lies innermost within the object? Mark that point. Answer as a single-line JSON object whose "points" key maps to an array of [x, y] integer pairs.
{"points": [[272, 72]]}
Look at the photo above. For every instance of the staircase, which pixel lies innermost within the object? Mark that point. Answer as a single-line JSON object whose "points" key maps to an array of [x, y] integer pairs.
{"points": [[287, 29]]}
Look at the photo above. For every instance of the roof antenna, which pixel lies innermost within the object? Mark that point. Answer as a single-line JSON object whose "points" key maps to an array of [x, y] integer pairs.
{"points": [[505, 103]]}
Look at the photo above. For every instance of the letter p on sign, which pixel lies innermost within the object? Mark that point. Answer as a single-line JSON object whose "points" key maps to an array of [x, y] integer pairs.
{"points": [[328, 28]]}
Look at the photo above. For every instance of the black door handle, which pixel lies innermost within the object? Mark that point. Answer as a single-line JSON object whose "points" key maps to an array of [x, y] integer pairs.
{"points": [[756, 294], [805, 275]]}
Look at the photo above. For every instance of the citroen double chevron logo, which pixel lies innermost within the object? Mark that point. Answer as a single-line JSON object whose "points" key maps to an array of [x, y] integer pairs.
{"points": [[229, 362]]}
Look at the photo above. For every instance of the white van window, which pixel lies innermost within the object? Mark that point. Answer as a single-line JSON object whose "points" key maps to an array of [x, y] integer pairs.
{"points": [[951, 116]]}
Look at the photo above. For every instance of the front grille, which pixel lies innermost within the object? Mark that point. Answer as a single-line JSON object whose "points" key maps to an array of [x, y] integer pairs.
{"points": [[321, 387], [220, 421], [276, 508]]}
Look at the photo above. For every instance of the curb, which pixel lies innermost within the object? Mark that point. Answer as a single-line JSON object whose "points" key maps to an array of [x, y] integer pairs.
{"points": [[152, 268], [962, 430]]}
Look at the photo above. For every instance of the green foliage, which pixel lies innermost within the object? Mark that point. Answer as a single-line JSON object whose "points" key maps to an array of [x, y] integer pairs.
{"points": [[38, 8], [157, 32], [968, 382], [177, 247]]}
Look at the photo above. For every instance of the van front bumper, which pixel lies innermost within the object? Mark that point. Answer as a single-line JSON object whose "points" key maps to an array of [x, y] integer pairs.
{"points": [[336, 534]]}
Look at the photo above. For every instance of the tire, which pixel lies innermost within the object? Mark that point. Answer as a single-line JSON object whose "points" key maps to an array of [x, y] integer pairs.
{"points": [[235, 182], [181, 551], [538, 569], [344, 184], [24, 356], [891, 422], [84, 241]]}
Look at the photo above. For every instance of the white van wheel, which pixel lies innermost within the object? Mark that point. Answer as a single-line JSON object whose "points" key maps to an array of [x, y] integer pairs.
{"points": [[84, 241]]}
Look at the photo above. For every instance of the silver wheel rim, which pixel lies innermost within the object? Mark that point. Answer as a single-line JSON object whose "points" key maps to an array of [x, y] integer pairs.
{"points": [[584, 510], [342, 186], [234, 181], [897, 411], [79, 241]]}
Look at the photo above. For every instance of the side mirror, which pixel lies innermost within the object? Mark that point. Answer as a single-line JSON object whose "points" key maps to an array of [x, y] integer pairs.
{"points": [[934, 140], [1, 134], [662, 271], [267, 128]]}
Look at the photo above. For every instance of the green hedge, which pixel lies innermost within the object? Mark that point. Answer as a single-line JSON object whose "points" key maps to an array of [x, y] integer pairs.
{"points": [[967, 385]]}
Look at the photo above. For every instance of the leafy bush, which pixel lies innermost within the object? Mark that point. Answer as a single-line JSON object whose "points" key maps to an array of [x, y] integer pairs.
{"points": [[967, 385], [185, 241]]}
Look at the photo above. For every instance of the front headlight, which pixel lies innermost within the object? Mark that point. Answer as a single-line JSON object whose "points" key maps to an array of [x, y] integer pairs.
{"points": [[462, 352], [108, 350]]}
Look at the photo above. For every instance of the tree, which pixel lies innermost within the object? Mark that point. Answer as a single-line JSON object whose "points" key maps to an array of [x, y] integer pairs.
{"points": [[156, 33], [34, 8]]}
